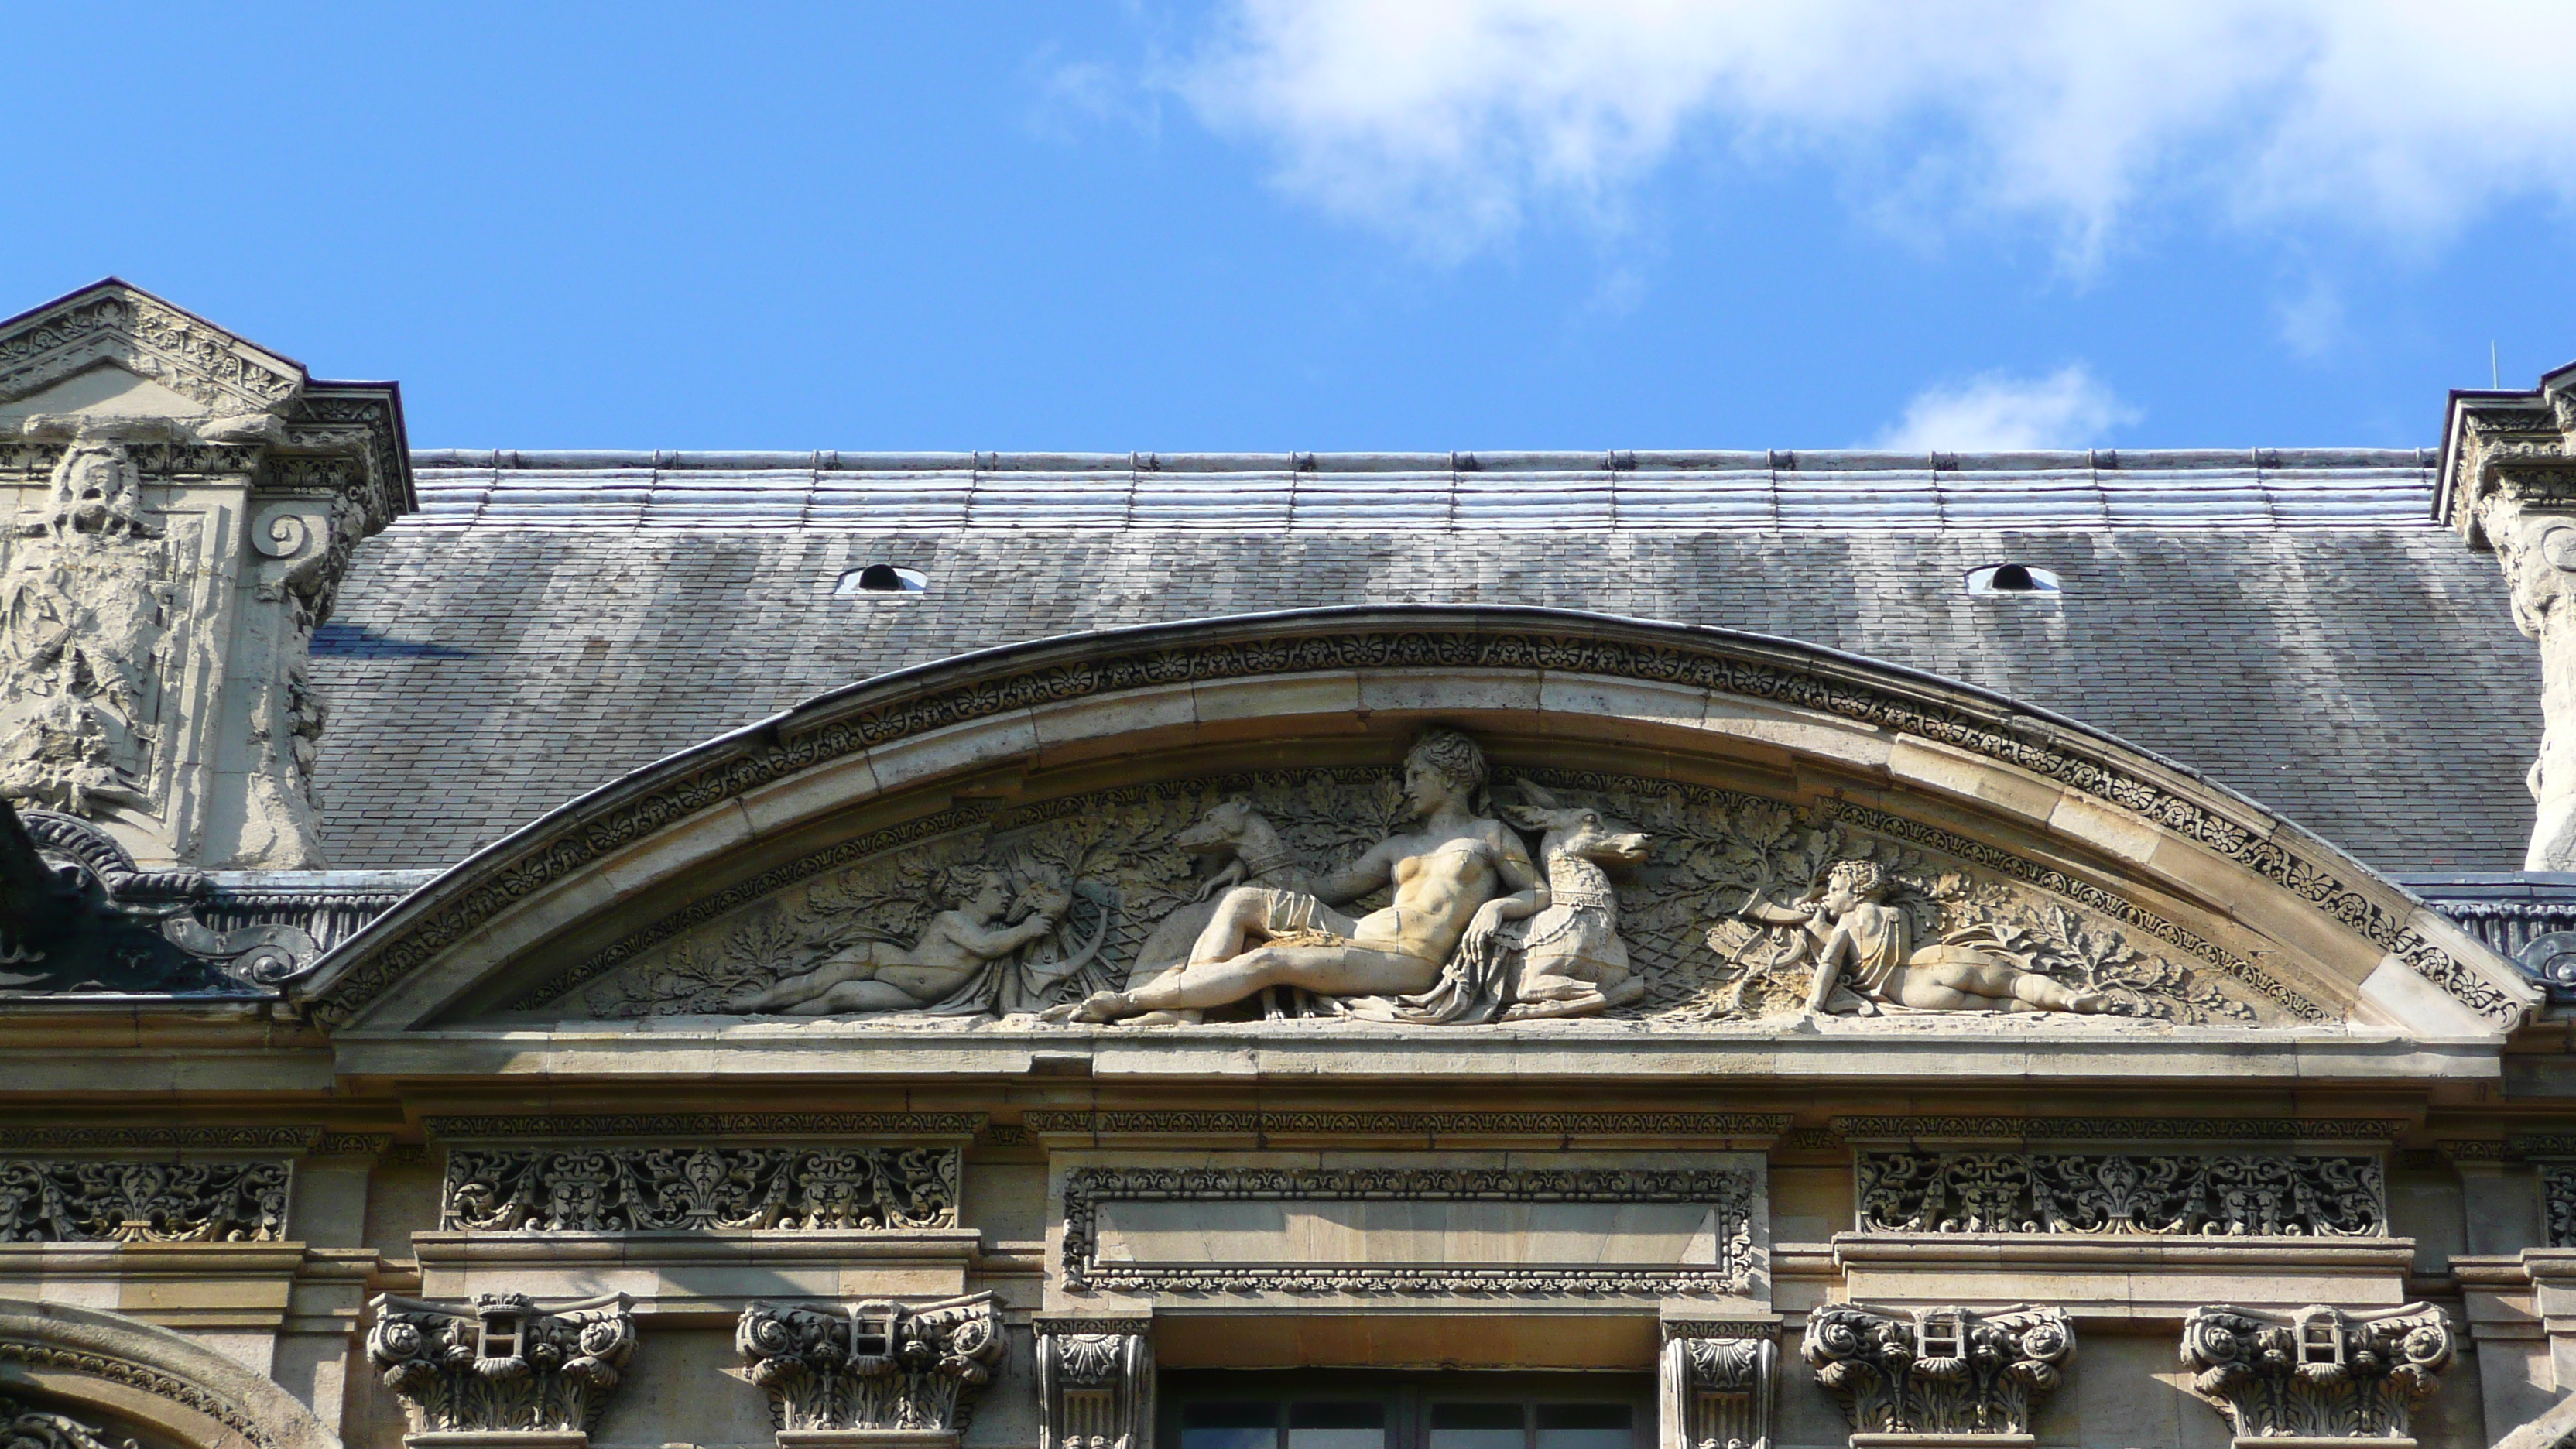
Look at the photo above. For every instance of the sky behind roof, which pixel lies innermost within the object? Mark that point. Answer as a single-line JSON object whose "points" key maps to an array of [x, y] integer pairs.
{"points": [[1339, 224]]}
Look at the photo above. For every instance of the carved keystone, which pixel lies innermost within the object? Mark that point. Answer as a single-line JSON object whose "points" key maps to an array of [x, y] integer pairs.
{"points": [[500, 1369], [1967, 1379], [2320, 1373], [1717, 1380], [878, 1373], [1095, 1383]]}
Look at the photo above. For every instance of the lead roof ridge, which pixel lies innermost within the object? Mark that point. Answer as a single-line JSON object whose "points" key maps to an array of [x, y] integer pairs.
{"points": [[1614, 460]]}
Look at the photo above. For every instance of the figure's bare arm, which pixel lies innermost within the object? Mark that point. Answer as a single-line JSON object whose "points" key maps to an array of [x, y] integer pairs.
{"points": [[984, 943], [1837, 949], [1526, 889], [1360, 876]]}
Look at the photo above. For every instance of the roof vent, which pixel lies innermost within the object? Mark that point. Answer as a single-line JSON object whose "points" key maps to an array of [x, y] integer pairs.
{"points": [[878, 578], [2011, 578]]}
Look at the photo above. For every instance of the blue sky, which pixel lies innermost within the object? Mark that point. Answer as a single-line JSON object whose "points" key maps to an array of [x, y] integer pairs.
{"points": [[1343, 224]]}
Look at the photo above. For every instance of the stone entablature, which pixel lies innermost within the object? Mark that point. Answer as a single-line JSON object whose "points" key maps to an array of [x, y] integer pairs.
{"points": [[107, 1200], [644, 1188], [2220, 1195]]}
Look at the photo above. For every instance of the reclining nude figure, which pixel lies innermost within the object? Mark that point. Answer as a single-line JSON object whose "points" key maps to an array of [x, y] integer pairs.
{"points": [[1457, 880], [873, 975], [1861, 943]]}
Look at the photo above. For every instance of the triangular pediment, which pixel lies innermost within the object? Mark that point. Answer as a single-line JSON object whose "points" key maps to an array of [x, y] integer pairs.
{"points": [[977, 846], [113, 347]]}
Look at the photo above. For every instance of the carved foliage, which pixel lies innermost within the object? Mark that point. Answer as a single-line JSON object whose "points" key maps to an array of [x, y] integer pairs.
{"points": [[2319, 1372], [500, 1362], [1717, 1386], [25, 1427], [875, 1365], [1939, 1371], [77, 1201], [2558, 1193], [640, 1189], [1095, 1384], [2233, 1195], [1727, 1191]]}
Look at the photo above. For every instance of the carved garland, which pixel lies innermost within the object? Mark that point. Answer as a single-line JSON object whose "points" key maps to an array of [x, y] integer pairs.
{"points": [[1729, 1191], [658, 1189], [576, 843], [2062, 1192], [92, 1201]]}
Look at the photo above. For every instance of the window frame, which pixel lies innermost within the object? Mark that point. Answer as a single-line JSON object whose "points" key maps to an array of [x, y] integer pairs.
{"points": [[1408, 1395]]}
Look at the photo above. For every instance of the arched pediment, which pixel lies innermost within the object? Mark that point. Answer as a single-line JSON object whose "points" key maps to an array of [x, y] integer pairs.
{"points": [[2001, 843], [105, 1369]]}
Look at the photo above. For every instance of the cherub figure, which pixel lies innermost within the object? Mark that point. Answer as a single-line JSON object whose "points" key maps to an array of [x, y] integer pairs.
{"points": [[1857, 940], [874, 975]]}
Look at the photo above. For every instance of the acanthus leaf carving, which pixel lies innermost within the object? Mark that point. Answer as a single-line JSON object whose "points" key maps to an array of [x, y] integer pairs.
{"points": [[607, 1189], [1938, 1370], [91, 1200], [2223, 1195], [502, 1362], [881, 1364], [2318, 1372]]}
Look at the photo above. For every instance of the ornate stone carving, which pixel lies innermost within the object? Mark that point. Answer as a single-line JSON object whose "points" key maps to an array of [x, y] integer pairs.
{"points": [[874, 1365], [1861, 953], [1939, 1370], [1661, 1126], [98, 1201], [2558, 1199], [2318, 1373], [502, 1363], [1918, 1191], [1095, 1384], [1634, 944], [646, 1189], [1735, 666], [76, 915], [1716, 1383], [1727, 1192], [26, 1427], [697, 1126]]}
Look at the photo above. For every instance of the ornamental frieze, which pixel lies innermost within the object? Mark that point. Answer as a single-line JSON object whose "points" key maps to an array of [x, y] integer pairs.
{"points": [[564, 1189], [1439, 894], [87, 1200], [2225, 1195]]}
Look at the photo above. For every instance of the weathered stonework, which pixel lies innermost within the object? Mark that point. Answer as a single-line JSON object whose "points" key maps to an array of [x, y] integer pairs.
{"points": [[75, 1200], [1943, 1371], [878, 1366], [2064, 1192], [648, 1189], [502, 1364], [1095, 1383], [2318, 1373], [1717, 1383]]}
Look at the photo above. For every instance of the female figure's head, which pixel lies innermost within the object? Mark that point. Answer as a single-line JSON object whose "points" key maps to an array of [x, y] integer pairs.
{"points": [[1444, 767]]}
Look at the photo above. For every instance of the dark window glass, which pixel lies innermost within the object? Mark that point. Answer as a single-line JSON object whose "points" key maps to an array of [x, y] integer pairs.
{"points": [[1223, 1425], [1478, 1426], [1345, 1424], [1585, 1426]]}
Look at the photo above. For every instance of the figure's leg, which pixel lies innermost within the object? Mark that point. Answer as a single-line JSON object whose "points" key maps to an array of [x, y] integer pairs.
{"points": [[1330, 970], [786, 995], [857, 996], [2011, 987], [1240, 914]]}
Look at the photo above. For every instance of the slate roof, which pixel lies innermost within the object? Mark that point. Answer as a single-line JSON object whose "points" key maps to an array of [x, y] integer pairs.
{"points": [[2289, 621]]}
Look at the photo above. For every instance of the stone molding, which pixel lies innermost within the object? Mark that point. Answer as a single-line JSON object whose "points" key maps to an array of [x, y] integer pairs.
{"points": [[23, 1427], [1938, 1371], [2284, 1130], [1662, 1126], [169, 1139], [108, 927], [1095, 1383], [915, 702], [878, 1365], [198, 1382], [595, 1189], [103, 1200], [1718, 1381], [2229, 1195], [1729, 1192], [2318, 1372], [501, 1363], [694, 1126]]}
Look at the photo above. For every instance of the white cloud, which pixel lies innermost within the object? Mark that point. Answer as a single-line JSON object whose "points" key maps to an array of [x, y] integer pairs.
{"points": [[1451, 120], [1996, 413]]}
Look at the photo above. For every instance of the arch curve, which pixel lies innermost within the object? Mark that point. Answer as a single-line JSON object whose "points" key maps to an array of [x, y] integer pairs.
{"points": [[165, 1382], [1785, 719]]}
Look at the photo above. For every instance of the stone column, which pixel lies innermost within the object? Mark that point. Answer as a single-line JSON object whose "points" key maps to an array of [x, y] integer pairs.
{"points": [[500, 1371], [2320, 1375], [1962, 1379], [886, 1374], [1716, 1384], [1095, 1383]]}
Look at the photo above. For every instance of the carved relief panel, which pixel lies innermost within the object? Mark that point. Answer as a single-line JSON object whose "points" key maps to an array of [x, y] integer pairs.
{"points": [[1601, 895]]}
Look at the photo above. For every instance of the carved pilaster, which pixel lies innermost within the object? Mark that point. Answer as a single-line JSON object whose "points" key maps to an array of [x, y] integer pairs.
{"points": [[1716, 1384], [500, 1368], [2318, 1373], [874, 1373], [1971, 1378], [1095, 1383]]}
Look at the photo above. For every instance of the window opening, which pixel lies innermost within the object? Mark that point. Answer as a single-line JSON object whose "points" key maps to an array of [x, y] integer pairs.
{"points": [[882, 578], [1586, 1426], [2012, 578]]}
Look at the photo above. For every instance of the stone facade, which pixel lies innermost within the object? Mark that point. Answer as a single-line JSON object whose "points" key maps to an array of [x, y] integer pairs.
{"points": [[1383, 1023]]}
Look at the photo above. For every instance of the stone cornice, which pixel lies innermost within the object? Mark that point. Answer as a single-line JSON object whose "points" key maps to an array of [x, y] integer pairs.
{"points": [[699, 1126], [2284, 1130], [1343, 1124], [979, 686]]}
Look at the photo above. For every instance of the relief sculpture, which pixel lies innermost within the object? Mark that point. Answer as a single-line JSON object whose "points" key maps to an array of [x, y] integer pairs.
{"points": [[1434, 895]]}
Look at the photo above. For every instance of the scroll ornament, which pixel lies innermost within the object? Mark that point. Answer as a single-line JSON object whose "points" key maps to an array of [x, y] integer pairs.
{"points": [[873, 1365], [500, 1363], [91, 1201], [2226, 1195], [1718, 1389], [649, 1189], [1939, 1371], [25, 1427], [1095, 1384], [2318, 1373]]}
